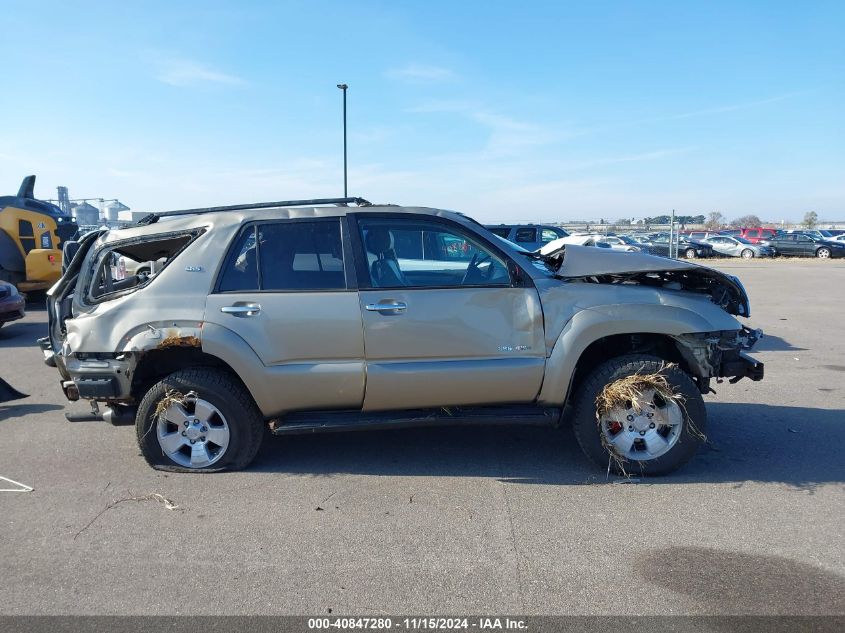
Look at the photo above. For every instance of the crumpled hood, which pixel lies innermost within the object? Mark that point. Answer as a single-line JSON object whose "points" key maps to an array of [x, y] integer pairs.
{"points": [[609, 266], [583, 261]]}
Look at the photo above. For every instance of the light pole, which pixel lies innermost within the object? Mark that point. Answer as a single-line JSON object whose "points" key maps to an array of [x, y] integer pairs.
{"points": [[344, 87]]}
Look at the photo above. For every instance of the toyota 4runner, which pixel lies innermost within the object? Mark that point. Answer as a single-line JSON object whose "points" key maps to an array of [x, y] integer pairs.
{"points": [[320, 316]]}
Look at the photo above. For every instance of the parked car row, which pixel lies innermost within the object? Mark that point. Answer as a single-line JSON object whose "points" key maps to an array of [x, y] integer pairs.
{"points": [[746, 243]]}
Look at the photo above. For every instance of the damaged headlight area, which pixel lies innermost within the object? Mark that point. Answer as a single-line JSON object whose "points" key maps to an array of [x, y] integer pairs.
{"points": [[722, 354], [726, 291]]}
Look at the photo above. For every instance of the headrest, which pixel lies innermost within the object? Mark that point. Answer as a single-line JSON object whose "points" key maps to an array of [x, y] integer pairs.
{"points": [[379, 241]]}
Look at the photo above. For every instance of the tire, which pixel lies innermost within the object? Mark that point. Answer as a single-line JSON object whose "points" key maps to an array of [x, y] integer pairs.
{"points": [[591, 438], [235, 416], [747, 253], [690, 253], [823, 253]]}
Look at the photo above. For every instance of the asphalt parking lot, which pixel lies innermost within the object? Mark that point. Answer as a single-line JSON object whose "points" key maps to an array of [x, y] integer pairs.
{"points": [[498, 520]]}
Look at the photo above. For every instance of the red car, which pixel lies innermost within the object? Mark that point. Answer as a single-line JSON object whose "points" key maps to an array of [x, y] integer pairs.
{"points": [[11, 303], [759, 234]]}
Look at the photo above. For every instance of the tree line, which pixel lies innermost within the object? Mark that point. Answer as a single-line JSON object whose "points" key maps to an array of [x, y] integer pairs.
{"points": [[716, 220]]}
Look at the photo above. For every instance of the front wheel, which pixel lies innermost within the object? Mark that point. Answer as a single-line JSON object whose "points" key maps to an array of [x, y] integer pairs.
{"points": [[199, 420], [690, 253], [747, 253], [823, 252], [655, 435]]}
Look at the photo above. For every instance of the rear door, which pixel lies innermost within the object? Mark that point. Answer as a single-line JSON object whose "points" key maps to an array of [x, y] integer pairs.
{"points": [[447, 321], [287, 289], [789, 245]]}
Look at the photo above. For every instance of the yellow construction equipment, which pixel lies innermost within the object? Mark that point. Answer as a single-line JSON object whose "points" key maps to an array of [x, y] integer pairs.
{"points": [[32, 233]]}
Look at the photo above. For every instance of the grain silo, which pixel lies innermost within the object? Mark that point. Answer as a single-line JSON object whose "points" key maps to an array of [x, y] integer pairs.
{"points": [[113, 210], [86, 214]]}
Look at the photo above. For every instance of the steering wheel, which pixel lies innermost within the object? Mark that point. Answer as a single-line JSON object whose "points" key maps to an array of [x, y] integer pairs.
{"points": [[473, 267]]}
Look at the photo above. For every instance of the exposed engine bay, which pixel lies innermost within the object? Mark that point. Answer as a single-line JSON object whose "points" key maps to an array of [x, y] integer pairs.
{"points": [[604, 266]]}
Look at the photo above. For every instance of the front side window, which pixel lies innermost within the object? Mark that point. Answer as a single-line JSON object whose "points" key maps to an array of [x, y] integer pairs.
{"points": [[548, 235], [286, 256], [423, 254]]}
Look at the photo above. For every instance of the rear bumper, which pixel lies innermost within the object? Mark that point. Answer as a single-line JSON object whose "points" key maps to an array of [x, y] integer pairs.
{"points": [[90, 379]]}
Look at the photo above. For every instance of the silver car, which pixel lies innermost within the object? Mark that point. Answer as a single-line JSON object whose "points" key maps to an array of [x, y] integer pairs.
{"points": [[321, 316], [738, 247]]}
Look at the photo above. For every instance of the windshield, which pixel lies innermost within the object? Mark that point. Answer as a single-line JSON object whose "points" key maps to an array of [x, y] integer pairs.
{"points": [[741, 240], [627, 240], [825, 234]]}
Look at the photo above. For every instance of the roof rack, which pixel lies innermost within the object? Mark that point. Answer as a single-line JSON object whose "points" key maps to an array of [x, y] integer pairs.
{"points": [[152, 218]]}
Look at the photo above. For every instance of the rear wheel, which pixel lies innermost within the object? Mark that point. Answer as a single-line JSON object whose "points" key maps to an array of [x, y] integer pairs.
{"points": [[656, 437], [690, 253], [823, 252], [747, 253], [199, 420]]}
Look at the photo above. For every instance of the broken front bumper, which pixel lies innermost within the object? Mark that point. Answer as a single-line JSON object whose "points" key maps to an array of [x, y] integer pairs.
{"points": [[721, 354], [743, 366]]}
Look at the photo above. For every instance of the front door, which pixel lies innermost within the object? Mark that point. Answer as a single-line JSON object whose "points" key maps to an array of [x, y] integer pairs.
{"points": [[445, 321], [284, 291]]}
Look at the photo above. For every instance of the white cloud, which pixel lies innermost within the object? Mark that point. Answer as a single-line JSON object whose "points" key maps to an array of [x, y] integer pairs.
{"points": [[418, 73], [184, 73]]}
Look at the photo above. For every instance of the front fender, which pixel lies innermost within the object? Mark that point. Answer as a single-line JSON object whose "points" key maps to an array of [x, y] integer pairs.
{"points": [[592, 324]]}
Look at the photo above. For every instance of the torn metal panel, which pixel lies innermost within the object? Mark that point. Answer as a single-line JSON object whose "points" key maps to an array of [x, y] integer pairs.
{"points": [[615, 267], [721, 354]]}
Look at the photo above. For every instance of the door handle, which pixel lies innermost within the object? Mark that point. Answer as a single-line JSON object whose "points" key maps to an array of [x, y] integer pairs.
{"points": [[397, 306], [246, 310]]}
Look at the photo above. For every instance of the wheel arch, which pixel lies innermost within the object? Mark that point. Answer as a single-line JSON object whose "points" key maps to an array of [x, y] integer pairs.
{"points": [[156, 364], [592, 337], [601, 350]]}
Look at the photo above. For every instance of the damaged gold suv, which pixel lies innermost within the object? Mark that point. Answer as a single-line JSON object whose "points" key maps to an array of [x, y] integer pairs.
{"points": [[336, 314]]}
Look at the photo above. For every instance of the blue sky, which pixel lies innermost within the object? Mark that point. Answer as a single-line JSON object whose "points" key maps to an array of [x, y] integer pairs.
{"points": [[503, 110]]}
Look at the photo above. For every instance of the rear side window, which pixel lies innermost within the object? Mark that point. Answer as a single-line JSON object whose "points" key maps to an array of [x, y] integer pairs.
{"points": [[286, 256], [526, 235], [125, 267], [501, 231]]}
